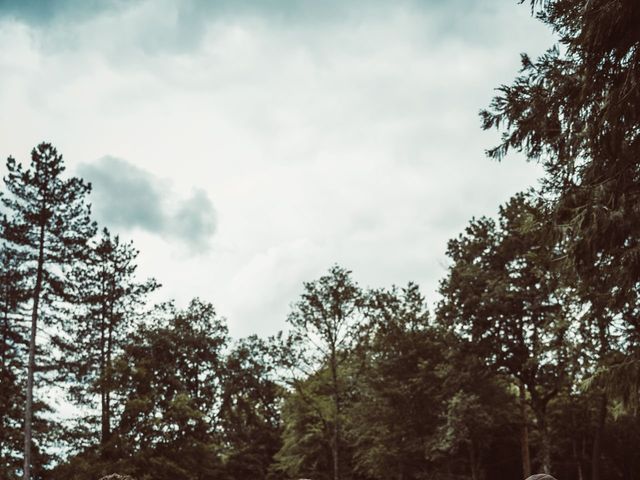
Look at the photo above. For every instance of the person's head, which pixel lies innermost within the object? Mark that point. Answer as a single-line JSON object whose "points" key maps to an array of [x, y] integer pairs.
{"points": [[540, 476]]}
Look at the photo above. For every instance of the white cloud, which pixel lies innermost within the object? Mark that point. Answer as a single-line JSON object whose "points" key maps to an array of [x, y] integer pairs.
{"points": [[352, 137]]}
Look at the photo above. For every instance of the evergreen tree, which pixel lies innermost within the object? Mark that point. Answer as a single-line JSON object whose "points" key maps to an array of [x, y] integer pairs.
{"points": [[107, 301], [13, 344], [50, 224], [575, 110]]}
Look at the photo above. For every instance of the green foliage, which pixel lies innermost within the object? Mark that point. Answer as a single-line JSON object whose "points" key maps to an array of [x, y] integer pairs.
{"points": [[575, 109], [48, 225], [504, 294], [250, 408], [537, 304], [107, 302], [325, 332], [398, 397], [13, 338], [307, 438]]}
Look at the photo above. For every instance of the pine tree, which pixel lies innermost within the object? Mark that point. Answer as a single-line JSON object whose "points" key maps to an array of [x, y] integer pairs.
{"points": [[13, 335], [108, 299], [575, 111], [50, 225]]}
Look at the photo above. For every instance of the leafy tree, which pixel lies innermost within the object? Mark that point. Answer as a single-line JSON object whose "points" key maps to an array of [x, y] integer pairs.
{"points": [[250, 408], [307, 441], [324, 331], [172, 384], [50, 225], [398, 398], [169, 380], [478, 416], [504, 295]]}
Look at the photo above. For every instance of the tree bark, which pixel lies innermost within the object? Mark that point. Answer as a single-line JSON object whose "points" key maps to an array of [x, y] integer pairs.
{"points": [[602, 410], [5, 331], [103, 400], [107, 420], [474, 461], [576, 457], [597, 440], [5, 341], [28, 415], [336, 420], [545, 441], [524, 434]]}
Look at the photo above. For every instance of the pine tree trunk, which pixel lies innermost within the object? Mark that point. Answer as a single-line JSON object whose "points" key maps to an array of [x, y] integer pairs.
{"points": [[574, 447], [28, 416], [5, 337], [597, 440], [336, 425], [602, 411], [473, 461], [103, 400], [577, 459], [524, 434], [5, 341], [545, 441], [107, 419]]}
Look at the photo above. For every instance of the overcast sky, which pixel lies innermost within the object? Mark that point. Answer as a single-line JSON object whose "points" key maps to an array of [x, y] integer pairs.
{"points": [[247, 146]]}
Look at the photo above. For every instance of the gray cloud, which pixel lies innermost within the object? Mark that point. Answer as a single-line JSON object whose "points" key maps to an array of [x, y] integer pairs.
{"points": [[45, 11], [182, 25], [42, 12], [126, 197], [195, 220]]}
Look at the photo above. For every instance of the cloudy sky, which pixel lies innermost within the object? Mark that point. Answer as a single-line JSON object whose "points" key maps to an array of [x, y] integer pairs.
{"points": [[247, 146]]}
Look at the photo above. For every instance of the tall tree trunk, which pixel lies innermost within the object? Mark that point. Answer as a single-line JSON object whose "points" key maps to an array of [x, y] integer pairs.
{"points": [[5, 331], [5, 341], [574, 446], [578, 461], [103, 341], [336, 419], [597, 440], [103, 396], [602, 410], [474, 461], [105, 334], [524, 434], [107, 419], [28, 415], [545, 441]]}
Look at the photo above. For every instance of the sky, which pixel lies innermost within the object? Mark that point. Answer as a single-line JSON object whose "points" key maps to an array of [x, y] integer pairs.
{"points": [[247, 146]]}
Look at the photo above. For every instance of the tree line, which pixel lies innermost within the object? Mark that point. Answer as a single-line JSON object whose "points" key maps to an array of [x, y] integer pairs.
{"points": [[529, 361]]}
